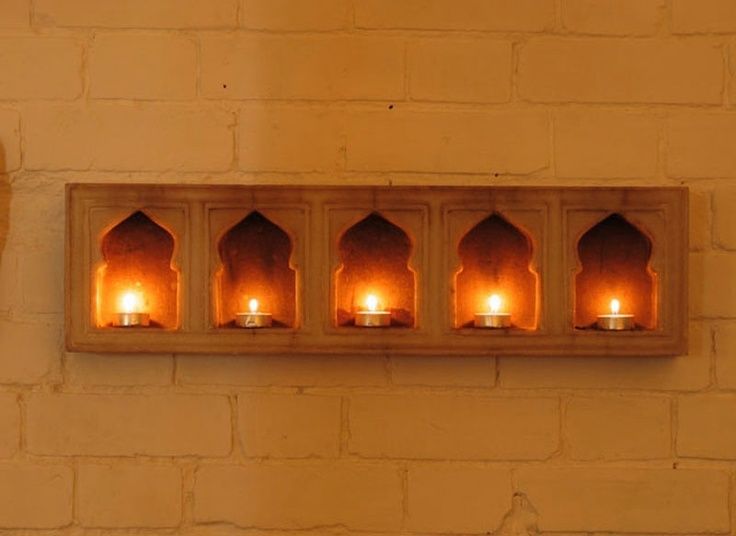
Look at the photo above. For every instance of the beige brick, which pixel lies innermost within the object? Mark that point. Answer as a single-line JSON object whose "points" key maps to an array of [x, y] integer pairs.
{"points": [[514, 142], [725, 345], [691, 372], [618, 428], [291, 139], [126, 425], [707, 426], [299, 371], [700, 145], [613, 17], [451, 371], [357, 495], [613, 500], [35, 496], [457, 498], [15, 14], [490, 15], [289, 426], [713, 292], [128, 495], [315, 68], [700, 217], [41, 278], [9, 425], [285, 15], [605, 144], [9, 289], [31, 352], [703, 16], [137, 13], [9, 141], [40, 68], [114, 136], [622, 71], [453, 427], [38, 210], [118, 369], [143, 66], [477, 70], [724, 216]]}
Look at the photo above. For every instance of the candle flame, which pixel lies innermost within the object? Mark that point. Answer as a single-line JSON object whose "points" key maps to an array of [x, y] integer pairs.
{"points": [[371, 302], [253, 305], [131, 302], [494, 303], [615, 306]]}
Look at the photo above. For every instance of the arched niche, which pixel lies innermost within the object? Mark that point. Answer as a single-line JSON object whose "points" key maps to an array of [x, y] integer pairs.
{"points": [[496, 258], [255, 263], [374, 259], [614, 263], [137, 258]]}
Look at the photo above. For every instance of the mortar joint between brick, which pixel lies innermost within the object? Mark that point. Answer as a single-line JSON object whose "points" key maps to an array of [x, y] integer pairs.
{"points": [[713, 355], [562, 449], [84, 66], [674, 424], [559, 25], [352, 25], [21, 445], [388, 370], [31, 14], [239, 14], [674, 416], [344, 435], [188, 473], [516, 47], [74, 464], [404, 476], [236, 448]]}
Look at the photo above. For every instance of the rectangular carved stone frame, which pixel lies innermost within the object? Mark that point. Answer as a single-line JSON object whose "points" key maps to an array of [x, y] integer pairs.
{"points": [[434, 218]]}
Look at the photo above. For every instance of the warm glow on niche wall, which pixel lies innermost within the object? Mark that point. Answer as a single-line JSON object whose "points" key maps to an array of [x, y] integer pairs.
{"points": [[614, 272], [136, 285], [496, 273], [256, 273], [374, 274]]}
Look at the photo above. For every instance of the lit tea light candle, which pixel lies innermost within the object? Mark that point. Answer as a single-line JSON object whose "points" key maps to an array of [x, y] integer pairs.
{"points": [[132, 314], [372, 317], [253, 318], [495, 318], [615, 321]]}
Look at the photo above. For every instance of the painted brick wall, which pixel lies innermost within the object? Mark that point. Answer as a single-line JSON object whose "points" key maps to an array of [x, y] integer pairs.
{"points": [[364, 91]]}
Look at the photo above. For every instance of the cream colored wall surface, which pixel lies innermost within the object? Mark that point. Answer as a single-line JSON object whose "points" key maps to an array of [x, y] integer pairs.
{"points": [[522, 92]]}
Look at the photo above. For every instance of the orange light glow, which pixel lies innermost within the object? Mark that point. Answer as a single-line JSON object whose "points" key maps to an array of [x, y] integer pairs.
{"points": [[372, 302], [132, 302], [615, 306], [494, 303], [253, 305]]}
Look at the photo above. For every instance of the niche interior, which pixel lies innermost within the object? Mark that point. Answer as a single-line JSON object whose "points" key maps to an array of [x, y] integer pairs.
{"points": [[255, 273], [136, 285], [614, 259], [494, 271], [374, 273]]}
